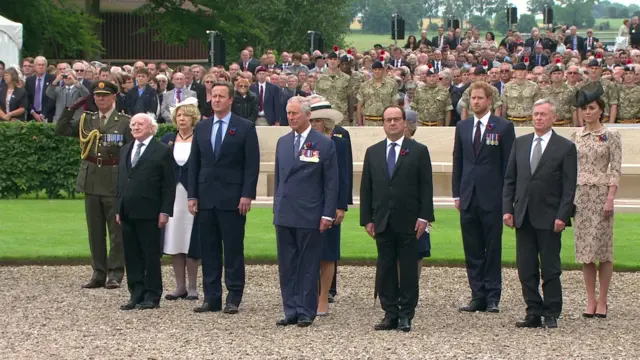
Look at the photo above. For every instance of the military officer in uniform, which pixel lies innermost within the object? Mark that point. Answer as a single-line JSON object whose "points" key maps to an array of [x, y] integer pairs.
{"points": [[560, 95], [629, 109], [479, 74], [375, 95], [611, 94], [518, 97], [432, 102], [334, 85], [101, 135], [356, 79]]}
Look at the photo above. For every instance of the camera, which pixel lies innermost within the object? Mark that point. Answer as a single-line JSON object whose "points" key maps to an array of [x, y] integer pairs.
{"points": [[64, 76]]}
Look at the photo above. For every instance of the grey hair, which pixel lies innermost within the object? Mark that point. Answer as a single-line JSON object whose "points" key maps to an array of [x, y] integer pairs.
{"points": [[149, 118], [446, 74], [72, 72], [41, 58], [305, 104], [543, 102]]}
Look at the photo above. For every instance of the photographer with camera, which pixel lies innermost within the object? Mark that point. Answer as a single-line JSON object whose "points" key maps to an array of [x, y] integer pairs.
{"points": [[65, 90]]}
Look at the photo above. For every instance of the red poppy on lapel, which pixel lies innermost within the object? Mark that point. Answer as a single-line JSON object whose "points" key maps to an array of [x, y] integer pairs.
{"points": [[232, 131], [603, 137], [404, 152], [490, 126]]}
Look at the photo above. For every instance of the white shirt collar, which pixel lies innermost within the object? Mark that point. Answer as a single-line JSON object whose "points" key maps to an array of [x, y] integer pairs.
{"points": [[145, 141], [399, 141], [484, 120], [304, 134], [545, 137]]}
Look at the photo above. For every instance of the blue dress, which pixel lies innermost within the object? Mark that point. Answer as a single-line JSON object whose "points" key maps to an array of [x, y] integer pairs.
{"points": [[331, 245]]}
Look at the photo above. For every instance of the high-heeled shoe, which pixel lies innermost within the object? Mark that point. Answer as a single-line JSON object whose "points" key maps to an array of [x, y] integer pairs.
{"points": [[589, 315], [172, 297], [602, 316]]}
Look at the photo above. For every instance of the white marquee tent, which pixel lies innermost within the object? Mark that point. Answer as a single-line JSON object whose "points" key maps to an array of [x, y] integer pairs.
{"points": [[10, 41]]}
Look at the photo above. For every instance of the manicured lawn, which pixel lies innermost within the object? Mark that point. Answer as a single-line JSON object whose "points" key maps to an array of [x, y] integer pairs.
{"points": [[43, 230]]}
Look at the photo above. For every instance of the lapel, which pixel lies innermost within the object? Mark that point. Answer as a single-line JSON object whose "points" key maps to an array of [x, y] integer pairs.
{"points": [[290, 158], [548, 150], [404, 147], [128, 146], [225, 138], [207, 146], [151, 148]]}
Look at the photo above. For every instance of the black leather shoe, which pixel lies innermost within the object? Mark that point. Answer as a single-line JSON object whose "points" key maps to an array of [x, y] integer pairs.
{"points": [[387, 323], [93, 284], [172, 297], [404, 324], [208, 307], [602, 316], [530, 321], [474, 305], [287, 321], [304, 321], [492, 307], [147, 305], [112, 284], [230, 309], [128, 306], [550, 322]]}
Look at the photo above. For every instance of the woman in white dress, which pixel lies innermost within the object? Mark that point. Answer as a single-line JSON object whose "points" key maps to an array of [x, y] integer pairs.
{"points": [[180, 234]]}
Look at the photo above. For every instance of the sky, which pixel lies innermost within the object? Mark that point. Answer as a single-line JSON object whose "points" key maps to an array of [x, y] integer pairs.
{"points": [[522, 4]]}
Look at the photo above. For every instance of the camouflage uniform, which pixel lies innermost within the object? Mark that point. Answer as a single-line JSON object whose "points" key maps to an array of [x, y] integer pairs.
{"points": [[496, 101], [610, 97], [561, 98], [336, 89], [357, 79], [519, 99], [375, 98], [629, 104], [432, 104]]}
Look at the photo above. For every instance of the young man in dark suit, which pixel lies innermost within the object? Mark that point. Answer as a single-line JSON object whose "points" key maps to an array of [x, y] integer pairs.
{"points": [[304, 206], [143, 98], [146, 191], [269, 97], [537, 199], [223, 176], [396, 207], [480, 154]]}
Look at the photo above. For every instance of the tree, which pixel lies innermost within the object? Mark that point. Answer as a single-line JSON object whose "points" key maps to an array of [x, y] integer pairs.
{"points": [[432, 8], [480, 22], [526, 22], [500, 23], [456, 9], [54, 29], [488, 7], [377, 15], [576, 13], [537, 6]]}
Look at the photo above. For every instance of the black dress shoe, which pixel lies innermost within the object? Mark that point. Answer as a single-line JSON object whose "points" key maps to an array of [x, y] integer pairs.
{"points": [[404, 324], [287, 321], [128, 306], [387, 323], [492, 307], [147, 305], [93, 284], [474, 305], [230, 309], [601, 316], [112, 284], [304, 321], [550, 322], [172, 297], [587, 315], [207, 307], [530, 321]]}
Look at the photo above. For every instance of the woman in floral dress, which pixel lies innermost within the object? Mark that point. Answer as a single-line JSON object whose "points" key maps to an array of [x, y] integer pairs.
{"points": [[599, 163]]}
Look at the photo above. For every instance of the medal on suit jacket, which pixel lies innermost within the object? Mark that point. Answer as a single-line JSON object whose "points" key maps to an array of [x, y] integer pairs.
{"points": [[309, 155], [493, 139]]}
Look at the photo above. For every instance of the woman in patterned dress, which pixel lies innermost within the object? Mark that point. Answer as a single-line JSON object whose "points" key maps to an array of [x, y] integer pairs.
{"points": [[599, 163]]}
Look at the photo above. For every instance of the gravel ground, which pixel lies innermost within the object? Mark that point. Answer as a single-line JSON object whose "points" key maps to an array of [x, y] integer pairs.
{"points": [[45, 315]]}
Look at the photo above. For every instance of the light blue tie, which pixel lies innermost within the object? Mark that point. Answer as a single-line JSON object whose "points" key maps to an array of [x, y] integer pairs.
{"points": [[217, 140], [296, 146]]}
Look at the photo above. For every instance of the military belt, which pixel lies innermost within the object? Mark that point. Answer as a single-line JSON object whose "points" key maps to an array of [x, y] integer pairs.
{"points": [[562, 122], [100, 161], [430, 123], [373, 118], [628, 121], [519, 119]]}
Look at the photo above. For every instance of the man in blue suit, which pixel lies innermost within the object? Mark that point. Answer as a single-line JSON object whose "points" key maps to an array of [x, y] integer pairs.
{"points": [[223, 175], [269, 97], [305, 203], [480, 156]]}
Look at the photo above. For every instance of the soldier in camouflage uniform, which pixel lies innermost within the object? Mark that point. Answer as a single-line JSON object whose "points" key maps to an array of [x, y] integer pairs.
{"points": [[518, 97], [101, 135], [375, 95], [560, 94], [611, 94], [432, 102], [356, 80], [479, 74], [334, 85], [629, 109]]}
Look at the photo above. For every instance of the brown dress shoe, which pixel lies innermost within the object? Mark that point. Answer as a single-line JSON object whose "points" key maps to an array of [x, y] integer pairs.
{"points": [[112, 284], [93, 284]]}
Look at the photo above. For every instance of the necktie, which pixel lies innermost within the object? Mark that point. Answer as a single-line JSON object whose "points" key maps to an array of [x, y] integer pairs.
{"points": [[391, 159], [538, 60], [67, 97], [296, 146], [217, 140], [178, 95], [537, 154], [37, 102], [477, 137], [245, 66], [136, 156], [261, 97], [103, 119]]}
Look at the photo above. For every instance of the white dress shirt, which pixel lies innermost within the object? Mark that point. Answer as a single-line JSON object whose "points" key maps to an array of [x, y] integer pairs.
{"points": [[543, 143], [135, 147], [484, 121]]}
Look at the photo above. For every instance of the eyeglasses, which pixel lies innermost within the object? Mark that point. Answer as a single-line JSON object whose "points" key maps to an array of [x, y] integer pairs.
{"points": [[78, 70], [395, 119], [242, 86], [505, 71], [572, 73], [209, 82]]}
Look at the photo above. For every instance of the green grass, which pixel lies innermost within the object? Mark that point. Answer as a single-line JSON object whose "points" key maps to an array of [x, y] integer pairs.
{"points": [[55, 231], [614, 23]]}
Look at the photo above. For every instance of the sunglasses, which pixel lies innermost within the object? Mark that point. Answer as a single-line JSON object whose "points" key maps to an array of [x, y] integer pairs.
{"points": [[209, 82], [572, 73], [243, 86]]}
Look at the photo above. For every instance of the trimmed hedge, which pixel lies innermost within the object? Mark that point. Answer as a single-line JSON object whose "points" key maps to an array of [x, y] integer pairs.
{"points": [[33, 159]]}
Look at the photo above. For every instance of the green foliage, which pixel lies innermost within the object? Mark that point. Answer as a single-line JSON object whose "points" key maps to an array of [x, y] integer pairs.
{"points": [[35, 159], [500, 23], [526, 22], [480, 22], [537, 6], [577, 13], [487, 8], [377, 15], [53, 28]]}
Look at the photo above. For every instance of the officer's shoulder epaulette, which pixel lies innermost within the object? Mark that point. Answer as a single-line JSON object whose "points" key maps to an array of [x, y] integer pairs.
{"points": [[90, 112], [125, 115]]}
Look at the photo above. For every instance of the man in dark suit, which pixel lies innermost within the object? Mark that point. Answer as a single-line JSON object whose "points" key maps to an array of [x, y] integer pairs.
{"points": [[396, 207], [537, 200], [42, 107], [304, 206], [190, 84], [538, 58], [590, 42], [146, 191], [440, 40], [534, 40], [398, 59], [223, 175], [143, 98], [268, 99], [247, 63], [480, 154], [574, 41]]}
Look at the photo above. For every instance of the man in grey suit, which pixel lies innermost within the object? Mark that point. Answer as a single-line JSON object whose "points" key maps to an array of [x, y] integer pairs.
{"points": [[67, 94], [306, 197], [172, 97]]}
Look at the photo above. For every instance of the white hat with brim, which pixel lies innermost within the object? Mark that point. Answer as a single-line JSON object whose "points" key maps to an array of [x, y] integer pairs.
{"points": [[324, 110], [187, 101]]}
